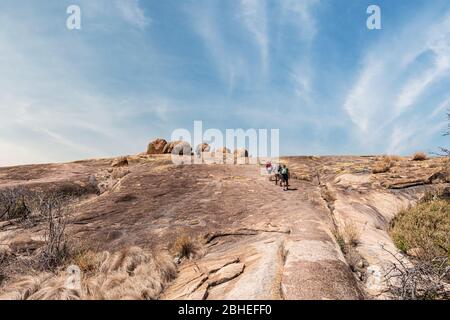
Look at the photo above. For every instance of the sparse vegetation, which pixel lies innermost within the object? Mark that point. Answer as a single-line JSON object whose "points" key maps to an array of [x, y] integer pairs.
{"points": [[14, 204], [391, 158], [23, 205], [351, 234], [74, 190], [339, 240], [426, 226], [5, 253], [184, 247], [87, 260], [419, 156], [131, 273], [347, 241], [384, 164], [423, 280], [349, 237], [56, 249]]}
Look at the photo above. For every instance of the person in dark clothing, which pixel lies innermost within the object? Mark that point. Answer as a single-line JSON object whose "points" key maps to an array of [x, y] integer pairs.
{"points": [[285, 175], [278, 174]]}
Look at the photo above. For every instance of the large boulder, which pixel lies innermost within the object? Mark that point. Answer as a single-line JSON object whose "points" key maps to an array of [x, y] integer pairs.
{"points": [[156, 146], [170, 145], [204, 147], [223, 150], [178, 148], [241, 153]]}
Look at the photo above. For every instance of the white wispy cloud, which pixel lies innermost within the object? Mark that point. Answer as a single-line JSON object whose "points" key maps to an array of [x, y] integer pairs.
{"points": [[300, 13], [131, 12], [52, 110], [229, 61], [439, 45], [255, 18], [391, 86]]}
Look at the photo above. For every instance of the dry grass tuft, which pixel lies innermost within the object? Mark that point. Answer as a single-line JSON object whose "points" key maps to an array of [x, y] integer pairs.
{"points": [[392, 158], [348, 237], [339, 240], [87, 260], [184, 247], [351, 234], [381, 168], [419, 156], [383, 165], [25, 287], [131, 273]]}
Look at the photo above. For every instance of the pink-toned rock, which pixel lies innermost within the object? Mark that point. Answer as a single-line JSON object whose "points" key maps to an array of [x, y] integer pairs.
{"points": [[178, 148], [241, 153], [225, 274], [223, 150], [201, 148]]}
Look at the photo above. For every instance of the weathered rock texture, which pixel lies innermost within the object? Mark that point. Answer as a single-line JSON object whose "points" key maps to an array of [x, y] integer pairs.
{"points": [[257, 241], [178, 148]]}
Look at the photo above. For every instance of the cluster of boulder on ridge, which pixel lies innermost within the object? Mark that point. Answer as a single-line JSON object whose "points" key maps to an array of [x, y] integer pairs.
{"points": [[162, 146]]}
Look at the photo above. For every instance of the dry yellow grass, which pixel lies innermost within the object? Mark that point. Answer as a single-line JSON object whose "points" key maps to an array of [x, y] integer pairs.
{"points": [[131, 273], [351, 234], [88, 261], [391, 158], [384, 164], [381, 167]]}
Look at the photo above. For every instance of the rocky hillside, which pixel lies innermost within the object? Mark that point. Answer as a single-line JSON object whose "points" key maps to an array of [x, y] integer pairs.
{"points": [[230, 231]]}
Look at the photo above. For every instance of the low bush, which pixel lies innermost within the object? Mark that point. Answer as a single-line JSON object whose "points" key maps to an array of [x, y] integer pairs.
{"points": [[419, 156], [424, 228]]}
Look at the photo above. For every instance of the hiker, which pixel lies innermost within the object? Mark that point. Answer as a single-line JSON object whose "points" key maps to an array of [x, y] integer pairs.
{"points": [[277, 170], [269, 168], [285, 177]]}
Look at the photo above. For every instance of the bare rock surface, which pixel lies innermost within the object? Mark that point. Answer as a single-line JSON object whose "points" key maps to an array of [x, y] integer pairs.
{"points": [[257, 241]]}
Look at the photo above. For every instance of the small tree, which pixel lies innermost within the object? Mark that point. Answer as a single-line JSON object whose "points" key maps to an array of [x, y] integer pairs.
{"points": [[54, 208]]}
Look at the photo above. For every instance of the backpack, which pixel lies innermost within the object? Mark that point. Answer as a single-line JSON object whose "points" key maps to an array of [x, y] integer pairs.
{"points": [[284, 171]]}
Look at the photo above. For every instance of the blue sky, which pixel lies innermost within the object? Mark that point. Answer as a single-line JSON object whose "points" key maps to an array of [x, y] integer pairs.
{"points": [[140, 69]]}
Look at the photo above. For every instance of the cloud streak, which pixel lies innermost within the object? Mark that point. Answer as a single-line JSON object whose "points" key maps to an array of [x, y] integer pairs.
{"points": [[394, 82], [139, 69], [255, 18], [132, 13]]}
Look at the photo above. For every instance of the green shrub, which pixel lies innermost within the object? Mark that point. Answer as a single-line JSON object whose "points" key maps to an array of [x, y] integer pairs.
{"points": [[424, 228]]}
